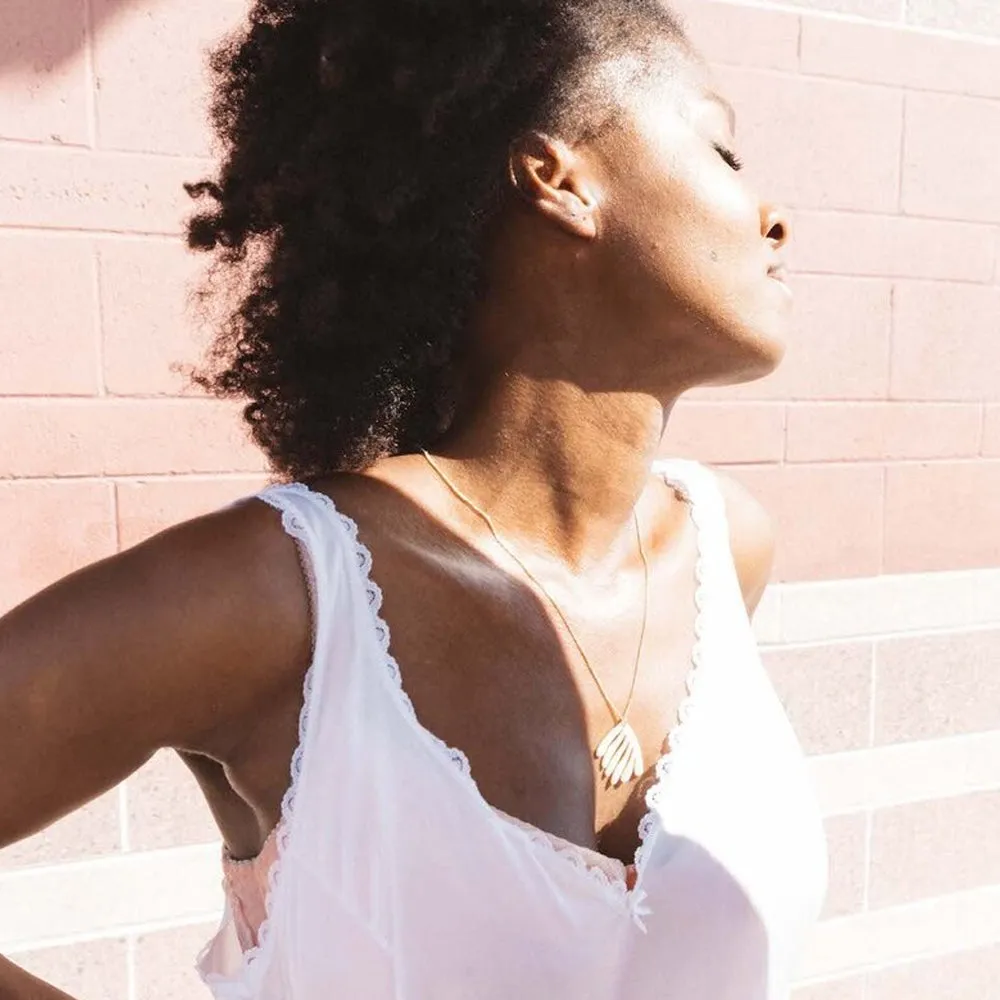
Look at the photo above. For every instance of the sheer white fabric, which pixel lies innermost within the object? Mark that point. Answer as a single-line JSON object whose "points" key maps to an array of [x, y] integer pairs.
{"points": [[397, 881]]}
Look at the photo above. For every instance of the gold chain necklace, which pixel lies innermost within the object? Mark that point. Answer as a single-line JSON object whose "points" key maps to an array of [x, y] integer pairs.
{"points": [[619, 752]]}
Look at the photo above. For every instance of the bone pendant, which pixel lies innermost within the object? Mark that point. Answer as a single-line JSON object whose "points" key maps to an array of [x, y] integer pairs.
{"points": [[620, 755]]}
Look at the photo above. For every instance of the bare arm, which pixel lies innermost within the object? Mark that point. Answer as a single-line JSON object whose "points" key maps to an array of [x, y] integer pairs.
{"points": [[16, 984], [177, 643]]}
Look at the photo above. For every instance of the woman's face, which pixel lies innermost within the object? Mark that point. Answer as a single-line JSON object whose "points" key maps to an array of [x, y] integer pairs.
{"points": [[688, 249]]}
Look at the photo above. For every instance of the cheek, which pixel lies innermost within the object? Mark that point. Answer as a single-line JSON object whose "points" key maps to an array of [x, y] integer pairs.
{"points": [[686, 195], [681, 221], [726, 219], [694, 216]]}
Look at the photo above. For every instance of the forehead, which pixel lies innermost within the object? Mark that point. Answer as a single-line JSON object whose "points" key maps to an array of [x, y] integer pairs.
{"points": [[683, 81], [714, 97], [700, 92]]}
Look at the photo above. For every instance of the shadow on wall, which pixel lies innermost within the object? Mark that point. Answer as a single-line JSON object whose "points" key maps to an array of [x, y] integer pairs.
{"points": [[42, 35], [39, 36]]}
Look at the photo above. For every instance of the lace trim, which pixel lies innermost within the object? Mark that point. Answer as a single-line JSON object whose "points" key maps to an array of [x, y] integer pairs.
{"points": [[615, 887], [676, 737], [373, 592], [240, 984]]}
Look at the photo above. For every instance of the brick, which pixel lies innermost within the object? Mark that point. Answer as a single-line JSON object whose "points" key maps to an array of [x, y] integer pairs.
{"points": [[164, 963], [150, 333], [927, 849], [723, 433], [986, 600], [91, 970], [950, 151], [884, 54], [829, 517], [885, 605], [767, 619], [972, 16], [820, 432], [147, 508], [826, 691], [935, 686], [80, 189], [742, 36], [840, 348], [945, 342], [800, 132], [51, 529], [834, 989], [48, 343], [92, 831], [155, 57], [882, 10], [940, 516], [891, 246], [44, 96], [965, 975], [991, 432], [846, 841], [123, 437], [166, 808]]}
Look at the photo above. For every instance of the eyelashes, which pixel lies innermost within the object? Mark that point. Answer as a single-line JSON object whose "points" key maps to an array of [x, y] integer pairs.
{"points": [[730, 157]]}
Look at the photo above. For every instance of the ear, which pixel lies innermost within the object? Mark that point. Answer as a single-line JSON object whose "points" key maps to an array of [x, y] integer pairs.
{"points": [[548, 175]]}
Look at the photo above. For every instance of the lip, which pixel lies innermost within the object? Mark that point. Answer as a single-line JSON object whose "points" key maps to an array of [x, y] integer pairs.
{"points": [[780, 274]]}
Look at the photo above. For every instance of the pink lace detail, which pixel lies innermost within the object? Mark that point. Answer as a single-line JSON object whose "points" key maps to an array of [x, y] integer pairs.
{"points": [[246, 882], [615, 871], [246, 886]]}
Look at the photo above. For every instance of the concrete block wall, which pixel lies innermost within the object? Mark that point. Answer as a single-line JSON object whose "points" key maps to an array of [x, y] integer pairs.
{"points": [[877, 446]]}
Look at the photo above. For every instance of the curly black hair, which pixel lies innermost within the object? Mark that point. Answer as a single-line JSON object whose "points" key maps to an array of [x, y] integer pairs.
{"points": [[365, 150]]}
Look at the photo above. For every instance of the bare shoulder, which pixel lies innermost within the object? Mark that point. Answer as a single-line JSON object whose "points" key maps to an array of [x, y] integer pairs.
{"points": [[752, 537], [233, 588], [178, 642]]}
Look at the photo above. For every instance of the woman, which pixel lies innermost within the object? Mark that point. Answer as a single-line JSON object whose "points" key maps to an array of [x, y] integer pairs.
{"points": [[481, 251]]}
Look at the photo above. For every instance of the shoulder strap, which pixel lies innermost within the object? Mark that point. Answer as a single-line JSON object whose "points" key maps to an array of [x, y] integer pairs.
{"points": [[326, 544], [297, 518], [700, 487], [323, 538]]}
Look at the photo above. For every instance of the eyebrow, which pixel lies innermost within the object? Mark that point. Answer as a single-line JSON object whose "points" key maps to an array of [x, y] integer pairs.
{"points": [[726, 106]]}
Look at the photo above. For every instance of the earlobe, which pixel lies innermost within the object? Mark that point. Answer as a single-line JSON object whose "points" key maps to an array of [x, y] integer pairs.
{"points": [[585, 212], [546, 174], [580, 217]]}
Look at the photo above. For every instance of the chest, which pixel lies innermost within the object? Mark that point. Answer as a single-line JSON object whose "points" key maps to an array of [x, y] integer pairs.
{"points": [[732, 849], [493, 670]]}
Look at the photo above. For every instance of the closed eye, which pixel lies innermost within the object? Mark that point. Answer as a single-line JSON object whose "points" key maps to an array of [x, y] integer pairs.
{"points": [[730, 157]]}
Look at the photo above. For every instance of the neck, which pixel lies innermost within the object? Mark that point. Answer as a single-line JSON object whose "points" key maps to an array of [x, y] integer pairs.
{"points": [[559, 470]]}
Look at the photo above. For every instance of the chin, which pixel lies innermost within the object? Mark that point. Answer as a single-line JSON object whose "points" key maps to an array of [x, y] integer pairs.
{"points": [[769, 353], [753, 354]]}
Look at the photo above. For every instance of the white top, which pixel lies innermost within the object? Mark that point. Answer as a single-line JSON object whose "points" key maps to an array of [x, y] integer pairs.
{"points": [[397, 881]]}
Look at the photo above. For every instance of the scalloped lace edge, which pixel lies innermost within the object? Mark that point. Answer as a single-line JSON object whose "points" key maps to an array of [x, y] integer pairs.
{"points": [[616, 887], [675, 738], [239, 985]]}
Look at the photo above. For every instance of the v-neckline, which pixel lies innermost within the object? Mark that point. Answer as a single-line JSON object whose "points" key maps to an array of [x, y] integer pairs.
{"points": [[572, 854]]}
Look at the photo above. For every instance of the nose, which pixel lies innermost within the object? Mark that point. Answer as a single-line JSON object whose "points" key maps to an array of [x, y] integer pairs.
{"points": [[774, 225]]}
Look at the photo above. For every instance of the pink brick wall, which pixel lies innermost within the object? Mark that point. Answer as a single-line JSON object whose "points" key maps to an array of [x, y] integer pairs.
{"points": [[877, 445], [101, 120], [884, 142], [882, 139]]}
